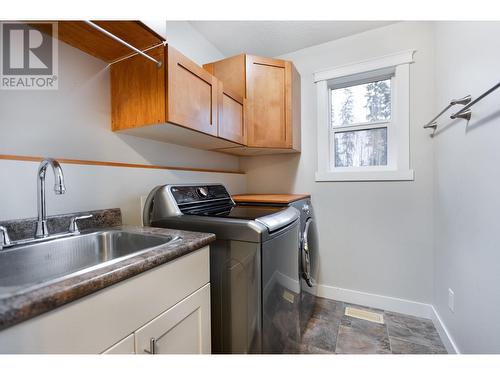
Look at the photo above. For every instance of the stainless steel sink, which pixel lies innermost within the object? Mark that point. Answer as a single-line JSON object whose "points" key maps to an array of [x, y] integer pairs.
{"points": [[24, 266]]}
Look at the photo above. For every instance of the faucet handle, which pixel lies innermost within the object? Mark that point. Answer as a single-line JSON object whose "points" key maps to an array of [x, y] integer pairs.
{"points": [[5, 238], [73, 226]]}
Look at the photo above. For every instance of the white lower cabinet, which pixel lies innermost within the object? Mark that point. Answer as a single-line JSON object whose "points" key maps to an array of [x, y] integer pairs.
{"points": [[125, 346], [169, 303], [182, 329]]}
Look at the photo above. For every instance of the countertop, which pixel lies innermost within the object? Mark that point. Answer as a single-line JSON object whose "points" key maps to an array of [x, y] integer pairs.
{"points": [[269, 198], [35, 300]]}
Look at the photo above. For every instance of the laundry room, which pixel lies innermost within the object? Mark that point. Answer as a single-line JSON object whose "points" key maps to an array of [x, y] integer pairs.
{"points": [[293, 184]]}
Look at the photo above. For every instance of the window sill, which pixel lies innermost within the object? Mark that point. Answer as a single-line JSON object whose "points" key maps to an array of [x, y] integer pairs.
{"points": [[394, 175]]}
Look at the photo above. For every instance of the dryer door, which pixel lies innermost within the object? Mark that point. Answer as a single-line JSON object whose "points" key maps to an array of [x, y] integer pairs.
{"points": [[305, 252]]}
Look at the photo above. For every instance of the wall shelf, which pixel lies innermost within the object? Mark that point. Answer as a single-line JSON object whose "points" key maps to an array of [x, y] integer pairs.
{"points": [[89, 40]]}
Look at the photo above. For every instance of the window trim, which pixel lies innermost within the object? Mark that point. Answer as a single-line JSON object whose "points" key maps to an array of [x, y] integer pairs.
{"points": [[399, 169]]}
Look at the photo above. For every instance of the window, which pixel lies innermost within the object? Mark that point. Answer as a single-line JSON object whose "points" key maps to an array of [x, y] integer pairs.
{"points": [[363, 121], [360, 148], [359, 118]]}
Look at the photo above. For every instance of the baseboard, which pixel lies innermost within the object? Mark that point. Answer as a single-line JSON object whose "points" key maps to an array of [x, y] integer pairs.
{"points": [[403, 306], [399, 305], [447, 339]]}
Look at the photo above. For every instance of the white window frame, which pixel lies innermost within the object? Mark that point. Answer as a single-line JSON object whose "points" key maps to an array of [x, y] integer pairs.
{"points": [[398, 130]]}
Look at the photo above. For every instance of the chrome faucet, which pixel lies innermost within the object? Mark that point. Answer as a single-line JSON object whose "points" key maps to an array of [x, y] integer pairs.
{"points": [[59, 188]]}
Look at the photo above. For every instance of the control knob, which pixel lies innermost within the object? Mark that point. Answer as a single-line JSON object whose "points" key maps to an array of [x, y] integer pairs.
{"points": [[202, 191]]}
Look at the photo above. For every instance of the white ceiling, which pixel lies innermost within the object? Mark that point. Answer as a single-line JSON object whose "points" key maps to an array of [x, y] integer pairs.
{"points": [[275, 38]]}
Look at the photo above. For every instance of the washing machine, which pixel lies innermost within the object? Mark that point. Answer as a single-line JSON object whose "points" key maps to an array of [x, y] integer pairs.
{"points": [[254, 284], [308, 243]]}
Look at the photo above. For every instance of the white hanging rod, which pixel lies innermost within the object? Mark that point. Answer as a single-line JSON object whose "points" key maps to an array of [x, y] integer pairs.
{"points": [[112, 36]]}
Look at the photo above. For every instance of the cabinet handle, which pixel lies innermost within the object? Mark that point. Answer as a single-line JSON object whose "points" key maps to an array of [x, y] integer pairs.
{"points": [[152, 346]]}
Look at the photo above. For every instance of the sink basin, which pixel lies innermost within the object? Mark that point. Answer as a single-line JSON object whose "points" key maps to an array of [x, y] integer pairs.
{"points": [[28, 265]]}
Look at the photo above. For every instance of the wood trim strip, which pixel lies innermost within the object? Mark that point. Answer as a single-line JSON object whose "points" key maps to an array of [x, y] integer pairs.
{"points": [[117, 164]]}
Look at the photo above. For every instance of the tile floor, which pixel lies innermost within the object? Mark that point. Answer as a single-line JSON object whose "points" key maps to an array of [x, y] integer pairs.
{"points": [[330, 331]]}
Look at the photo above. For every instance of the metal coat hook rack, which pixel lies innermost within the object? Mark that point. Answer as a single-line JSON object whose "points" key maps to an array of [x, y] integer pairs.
{"points": [[464, 112], [463, 101]]}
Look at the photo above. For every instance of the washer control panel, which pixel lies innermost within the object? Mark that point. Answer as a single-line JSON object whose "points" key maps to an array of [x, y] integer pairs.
{"points": [[198, 193]]}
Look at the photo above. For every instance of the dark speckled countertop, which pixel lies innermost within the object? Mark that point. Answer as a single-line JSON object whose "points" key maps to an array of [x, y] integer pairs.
{"points": [[34, 300]]}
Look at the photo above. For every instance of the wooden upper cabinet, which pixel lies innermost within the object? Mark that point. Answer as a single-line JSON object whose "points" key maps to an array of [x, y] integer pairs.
{"points": [[244, 105], [148, 102], [231, 116], [191, 95], [138, 94], [267, 103], [271, 88], [231, 72]]}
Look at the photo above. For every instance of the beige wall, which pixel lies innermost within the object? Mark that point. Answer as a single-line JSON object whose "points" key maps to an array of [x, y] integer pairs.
{"points": [[375, 237]]}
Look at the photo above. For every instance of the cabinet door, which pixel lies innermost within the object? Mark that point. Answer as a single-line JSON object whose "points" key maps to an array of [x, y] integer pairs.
{"points": [[125, 346], [191, 95], [268, 102], [231, 116], [183, 329], [138, 91], [231, 71]]}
